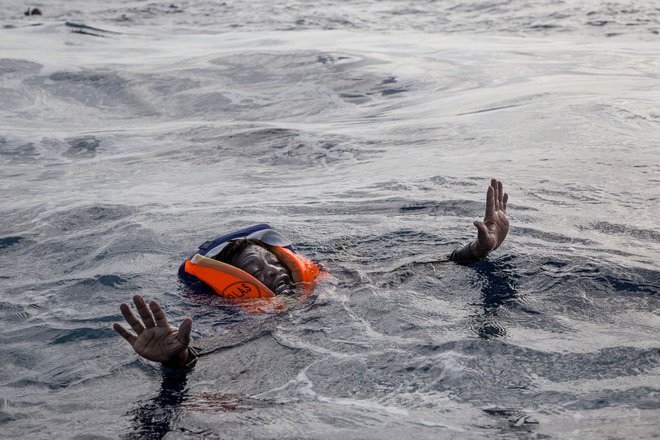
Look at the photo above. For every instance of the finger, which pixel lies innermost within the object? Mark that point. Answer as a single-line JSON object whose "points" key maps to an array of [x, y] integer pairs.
{"points": [[490, 202], [130, 318], [130, 337], [159, 315], [496, 196], [482, 232], [500, 195], [144, 312], [184, 331], [505, 199]]}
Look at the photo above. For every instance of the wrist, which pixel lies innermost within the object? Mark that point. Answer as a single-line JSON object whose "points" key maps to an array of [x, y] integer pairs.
{"points": [[179, 361], [477, 250], [465, 254]]}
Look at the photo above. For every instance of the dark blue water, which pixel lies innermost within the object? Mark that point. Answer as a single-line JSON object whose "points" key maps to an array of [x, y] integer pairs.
{"points": [[368, 132]]}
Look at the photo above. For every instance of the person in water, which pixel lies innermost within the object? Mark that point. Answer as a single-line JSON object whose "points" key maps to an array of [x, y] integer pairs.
{"points": [[266, 268]]}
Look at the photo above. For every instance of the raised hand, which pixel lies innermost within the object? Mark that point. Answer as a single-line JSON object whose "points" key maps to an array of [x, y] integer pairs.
{"points": [[155, 338], [493, 230]]}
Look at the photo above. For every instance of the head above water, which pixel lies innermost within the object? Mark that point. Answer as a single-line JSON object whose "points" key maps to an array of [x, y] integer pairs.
{"points": [[253, 263], [262, 264]]}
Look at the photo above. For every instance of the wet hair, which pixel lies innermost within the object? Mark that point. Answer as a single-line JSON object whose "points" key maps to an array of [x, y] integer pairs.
{"points": [[234, 249]]}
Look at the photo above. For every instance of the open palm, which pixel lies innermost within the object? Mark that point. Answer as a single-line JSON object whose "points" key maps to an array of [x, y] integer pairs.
{"points": [[495, 227], [155, 338]]}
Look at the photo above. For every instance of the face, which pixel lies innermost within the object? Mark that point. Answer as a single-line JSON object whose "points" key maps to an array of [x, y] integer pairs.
{"points": [[264, 266]]}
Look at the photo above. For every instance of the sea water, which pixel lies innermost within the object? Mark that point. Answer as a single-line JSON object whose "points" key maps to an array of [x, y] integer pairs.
{"points": [[367, 131]]}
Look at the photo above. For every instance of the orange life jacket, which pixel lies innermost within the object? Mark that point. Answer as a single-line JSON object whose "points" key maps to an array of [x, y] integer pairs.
{"points": [[234, 283]]}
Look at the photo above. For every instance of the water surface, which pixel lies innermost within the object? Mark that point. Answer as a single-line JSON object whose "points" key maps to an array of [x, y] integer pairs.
{"points": [[368, 132]]}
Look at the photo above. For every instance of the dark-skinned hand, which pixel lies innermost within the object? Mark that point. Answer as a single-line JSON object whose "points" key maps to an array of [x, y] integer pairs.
{"points": [[492, 231], [155, 339]]}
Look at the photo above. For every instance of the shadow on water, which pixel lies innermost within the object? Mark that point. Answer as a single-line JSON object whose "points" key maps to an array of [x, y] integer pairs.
{"points": [[153, 419], [499, 290], [161, 415]]}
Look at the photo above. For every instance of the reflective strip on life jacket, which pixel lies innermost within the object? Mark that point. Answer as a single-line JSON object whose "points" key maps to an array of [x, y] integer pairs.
{"points": [[225, 279]]}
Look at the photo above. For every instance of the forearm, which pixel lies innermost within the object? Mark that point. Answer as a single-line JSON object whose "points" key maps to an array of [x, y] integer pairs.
{"points": [[467, 254]]}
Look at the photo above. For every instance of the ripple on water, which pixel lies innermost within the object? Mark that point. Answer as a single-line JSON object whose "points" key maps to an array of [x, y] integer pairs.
{"points": [[14, 312], [83, 146], [81, 334], [93, 88], [60, 221], [269, 146], [12, 65], [626, 230], [6, 242]]}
